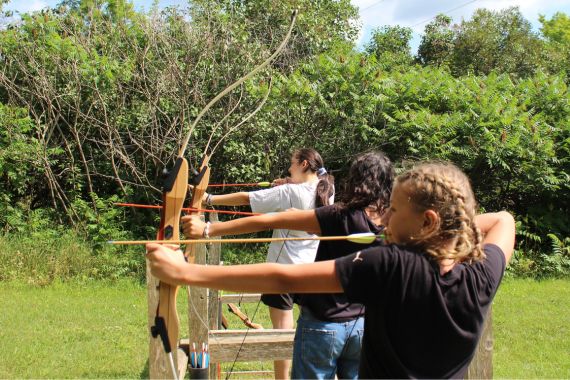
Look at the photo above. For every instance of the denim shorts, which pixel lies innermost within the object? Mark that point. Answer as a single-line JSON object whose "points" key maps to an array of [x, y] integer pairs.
{"points": [[322, 350], [278, 301]]}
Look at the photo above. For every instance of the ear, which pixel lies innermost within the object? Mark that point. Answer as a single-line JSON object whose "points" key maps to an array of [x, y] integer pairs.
{"points": [[431, 222]]}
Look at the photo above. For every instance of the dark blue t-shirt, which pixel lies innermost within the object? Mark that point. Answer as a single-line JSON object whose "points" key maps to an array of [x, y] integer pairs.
{"points": [[419, 324]]}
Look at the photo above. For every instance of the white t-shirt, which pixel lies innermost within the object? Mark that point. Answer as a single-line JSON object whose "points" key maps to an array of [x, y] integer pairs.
{"points": [[280, 198]]}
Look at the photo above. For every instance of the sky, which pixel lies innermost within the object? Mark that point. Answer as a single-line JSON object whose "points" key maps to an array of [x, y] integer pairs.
{"points": [[375, 13]]}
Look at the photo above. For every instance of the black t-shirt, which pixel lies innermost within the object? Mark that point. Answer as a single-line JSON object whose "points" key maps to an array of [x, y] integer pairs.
{"points": [[335, 221], [419, 324]]}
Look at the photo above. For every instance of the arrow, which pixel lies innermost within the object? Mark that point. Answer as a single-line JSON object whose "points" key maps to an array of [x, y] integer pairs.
{"points": [[360, 238], [190, 209], [256, 184]]}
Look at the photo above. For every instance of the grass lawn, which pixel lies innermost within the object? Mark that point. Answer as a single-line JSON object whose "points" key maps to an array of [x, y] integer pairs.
{"points": [[532, 329], [98, 330]]}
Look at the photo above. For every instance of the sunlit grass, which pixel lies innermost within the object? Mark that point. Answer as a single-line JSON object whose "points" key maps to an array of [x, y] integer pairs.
{"points": [[99, 330]]}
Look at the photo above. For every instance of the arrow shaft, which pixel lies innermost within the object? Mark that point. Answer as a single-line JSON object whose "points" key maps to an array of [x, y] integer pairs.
{"points": [[251, 240], [188, 209], [236, 184]]}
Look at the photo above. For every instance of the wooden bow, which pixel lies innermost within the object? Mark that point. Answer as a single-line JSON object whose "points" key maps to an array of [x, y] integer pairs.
{"points": [[165, 323], [244, 318]]}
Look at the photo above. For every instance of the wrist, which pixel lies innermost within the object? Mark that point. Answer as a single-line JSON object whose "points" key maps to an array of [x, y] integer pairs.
{"points": [[209, 200], [206, 232]]}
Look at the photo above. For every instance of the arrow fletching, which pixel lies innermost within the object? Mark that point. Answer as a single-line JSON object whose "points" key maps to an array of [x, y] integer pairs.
{"points": [[362, 238]]}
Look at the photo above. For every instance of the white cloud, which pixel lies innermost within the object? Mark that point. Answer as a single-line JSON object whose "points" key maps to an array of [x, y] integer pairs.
{"points": [[417, 13], [24, 6]]}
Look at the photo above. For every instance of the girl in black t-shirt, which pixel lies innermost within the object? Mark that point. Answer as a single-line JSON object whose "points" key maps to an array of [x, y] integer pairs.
{"points": [[329, 328], [426, 294]]}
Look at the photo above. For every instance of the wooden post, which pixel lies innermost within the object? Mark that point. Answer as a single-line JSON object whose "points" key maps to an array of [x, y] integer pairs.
{"points": [[481, 366], [204, 320], [214, 311], [158, 362], [198, 324]]}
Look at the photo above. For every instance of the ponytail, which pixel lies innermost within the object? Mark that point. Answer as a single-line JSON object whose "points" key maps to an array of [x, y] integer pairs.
{"points": [[325, 187]]}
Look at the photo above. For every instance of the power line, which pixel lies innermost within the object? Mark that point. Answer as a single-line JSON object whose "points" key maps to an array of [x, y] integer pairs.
{"points": [[451, 10], [371, 5]]}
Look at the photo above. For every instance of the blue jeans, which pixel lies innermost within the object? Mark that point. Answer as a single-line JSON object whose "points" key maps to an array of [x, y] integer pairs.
{"points": [[323, 349]]}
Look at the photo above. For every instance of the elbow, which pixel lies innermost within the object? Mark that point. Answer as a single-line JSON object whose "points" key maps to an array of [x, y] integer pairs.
{"points": [[507, 218]]}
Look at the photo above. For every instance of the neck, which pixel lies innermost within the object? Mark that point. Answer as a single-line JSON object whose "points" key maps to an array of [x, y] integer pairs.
{"points": [[307, 177], [374, 215], [446, 265]]}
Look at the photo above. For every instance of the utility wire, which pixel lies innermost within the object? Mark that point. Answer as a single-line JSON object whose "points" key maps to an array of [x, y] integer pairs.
{"points": [[371, 5], [446, 12]]}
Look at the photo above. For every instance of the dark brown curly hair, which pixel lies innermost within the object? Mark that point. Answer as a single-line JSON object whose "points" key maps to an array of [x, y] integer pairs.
{"points": [[369, 182]]}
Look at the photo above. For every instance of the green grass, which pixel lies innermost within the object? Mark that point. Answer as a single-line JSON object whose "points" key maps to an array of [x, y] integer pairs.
{"points": [[70, 331], [98, 330], [532, 329]]}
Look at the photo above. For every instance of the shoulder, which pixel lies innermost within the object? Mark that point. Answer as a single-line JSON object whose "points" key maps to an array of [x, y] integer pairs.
{"points": [[328, 211], [493, 265], [494, 255], [336, 215], [297, 188], [384, 257], [365, 274], [281, 190]]}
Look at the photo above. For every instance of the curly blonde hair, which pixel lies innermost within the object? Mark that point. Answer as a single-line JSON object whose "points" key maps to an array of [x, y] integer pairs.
{"points": [[445, 189]]}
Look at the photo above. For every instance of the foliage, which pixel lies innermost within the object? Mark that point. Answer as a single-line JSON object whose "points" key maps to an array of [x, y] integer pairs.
{"points": [[437, 44], [391, 46], [509, 135], [557, 29], [502, 41], [19, 160], [45, 258], [96, 96]]}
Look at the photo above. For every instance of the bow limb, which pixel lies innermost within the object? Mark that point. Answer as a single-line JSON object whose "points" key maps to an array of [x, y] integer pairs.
{"points": [[163, 316], [237, 83], [243, 317], [199, 323]]}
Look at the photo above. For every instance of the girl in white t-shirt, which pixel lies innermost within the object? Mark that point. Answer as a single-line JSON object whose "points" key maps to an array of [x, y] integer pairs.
{"points": [[308, 187]]}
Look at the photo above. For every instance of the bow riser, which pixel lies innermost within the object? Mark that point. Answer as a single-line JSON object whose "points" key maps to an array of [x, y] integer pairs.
{"points": [[165, 323], [200, 186]]}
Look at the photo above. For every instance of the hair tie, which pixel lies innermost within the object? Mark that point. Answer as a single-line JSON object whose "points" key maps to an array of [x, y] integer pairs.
{"points": [[321, 171]]}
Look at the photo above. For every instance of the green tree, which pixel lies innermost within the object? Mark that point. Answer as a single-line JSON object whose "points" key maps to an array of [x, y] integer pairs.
{"points": [[557, 29], [391, 46], [436, 46], [321, 25], [501, 41]]}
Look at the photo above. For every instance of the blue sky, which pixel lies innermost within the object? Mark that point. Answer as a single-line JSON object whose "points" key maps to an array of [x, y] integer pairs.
{"points": [[374, 13]]}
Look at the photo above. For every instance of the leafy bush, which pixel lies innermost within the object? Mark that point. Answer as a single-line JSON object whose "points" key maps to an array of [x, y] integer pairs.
{"points": [[95, 96], [47, 257]]}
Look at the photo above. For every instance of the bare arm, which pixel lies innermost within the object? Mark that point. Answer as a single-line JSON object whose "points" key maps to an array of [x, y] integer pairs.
{"points": [[499, 229], [169, 266], [233, 199], [302, 220]]}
